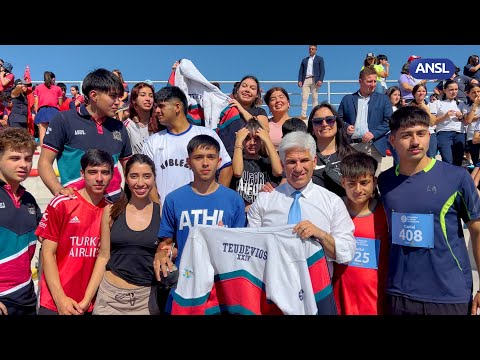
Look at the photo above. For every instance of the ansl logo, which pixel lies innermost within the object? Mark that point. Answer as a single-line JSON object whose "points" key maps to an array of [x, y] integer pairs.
{"points": [[432, 69]]}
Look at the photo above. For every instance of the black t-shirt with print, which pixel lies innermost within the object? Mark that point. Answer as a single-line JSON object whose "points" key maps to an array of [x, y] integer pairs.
{"points": [[255, 174]]}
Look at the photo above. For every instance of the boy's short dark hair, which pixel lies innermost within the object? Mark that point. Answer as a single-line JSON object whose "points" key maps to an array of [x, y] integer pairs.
{"points": [[358, 164], [202, 141], [96, 157], [101, 80], [62, 86], [408, 116], [293, 124], [168, 93]]}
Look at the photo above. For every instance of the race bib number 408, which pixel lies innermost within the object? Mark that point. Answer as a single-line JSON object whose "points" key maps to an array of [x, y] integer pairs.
{"points": [[415, 230]]}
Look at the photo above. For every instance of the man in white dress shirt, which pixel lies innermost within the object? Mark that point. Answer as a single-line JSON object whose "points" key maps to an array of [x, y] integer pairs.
{"points": [[324, 215]]}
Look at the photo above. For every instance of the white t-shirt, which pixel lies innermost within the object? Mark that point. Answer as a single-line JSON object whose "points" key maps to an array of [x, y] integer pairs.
{"points": [[474, 126], [138, 133], [169, 153], [441, 107], [431, 105]]}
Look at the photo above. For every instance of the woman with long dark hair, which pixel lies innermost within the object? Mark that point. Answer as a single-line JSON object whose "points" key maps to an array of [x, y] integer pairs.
{"points": [[247, 98], [332, 146], [278, 102], [141, 122], [395, 96], [419, 93], [48, 99], [450, 125], [123, 272]]}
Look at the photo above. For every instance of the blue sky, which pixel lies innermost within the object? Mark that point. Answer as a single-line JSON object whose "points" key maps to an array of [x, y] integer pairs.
{"points": [[218, 62]]}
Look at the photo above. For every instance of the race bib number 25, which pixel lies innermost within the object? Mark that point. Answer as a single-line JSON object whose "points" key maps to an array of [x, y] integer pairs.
{"points": [[366, 254]]}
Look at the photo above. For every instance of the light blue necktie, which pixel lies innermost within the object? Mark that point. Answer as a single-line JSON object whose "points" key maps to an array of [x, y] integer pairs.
{"points": [[295, 212]]}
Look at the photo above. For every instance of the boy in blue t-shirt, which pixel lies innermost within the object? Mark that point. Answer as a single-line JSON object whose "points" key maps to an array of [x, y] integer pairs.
{"points": [[203, 201], [425, 200]]}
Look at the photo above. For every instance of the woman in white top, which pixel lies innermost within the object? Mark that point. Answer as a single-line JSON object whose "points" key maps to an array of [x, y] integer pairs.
{"points": [[419, 93], [141, 122], [393, 93], [472, 114], [450, 126], [395, 96]]}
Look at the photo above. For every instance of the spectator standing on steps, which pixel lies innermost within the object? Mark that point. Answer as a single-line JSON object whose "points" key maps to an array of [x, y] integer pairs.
{"points": [[6, 77], [48, 99], [310, 78], [366, 114], [18, 115], [472, 67]]}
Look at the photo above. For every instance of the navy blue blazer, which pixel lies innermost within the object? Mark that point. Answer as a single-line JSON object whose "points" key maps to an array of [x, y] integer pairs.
{"points": [[379, 113], [318, 69]]}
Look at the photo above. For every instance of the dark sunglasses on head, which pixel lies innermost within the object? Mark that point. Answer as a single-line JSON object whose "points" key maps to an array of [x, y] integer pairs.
{"points": [[330, 120]]}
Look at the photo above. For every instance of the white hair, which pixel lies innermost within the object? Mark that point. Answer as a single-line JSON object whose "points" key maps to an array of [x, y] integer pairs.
{"points": [[297, 140]]}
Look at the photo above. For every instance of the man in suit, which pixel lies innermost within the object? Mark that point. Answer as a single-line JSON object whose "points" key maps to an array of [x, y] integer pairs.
{"points": [[310, 78], [366, 114]]}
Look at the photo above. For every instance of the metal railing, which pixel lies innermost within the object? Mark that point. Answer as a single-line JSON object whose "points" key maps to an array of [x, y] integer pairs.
{"points": [[331, 90]]}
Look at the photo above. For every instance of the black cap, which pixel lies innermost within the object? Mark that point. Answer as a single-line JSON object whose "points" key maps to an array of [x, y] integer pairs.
{"points": [[7, 66], [20, 81]]}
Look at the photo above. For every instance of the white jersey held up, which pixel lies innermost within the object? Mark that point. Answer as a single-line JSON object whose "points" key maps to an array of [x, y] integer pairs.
{"points": [[258, 271], [201, 92]]}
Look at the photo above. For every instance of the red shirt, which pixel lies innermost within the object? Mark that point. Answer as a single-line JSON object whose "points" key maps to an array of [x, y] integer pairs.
{"points": [[79, 98], [361, 291], [75, 225], [48, 97], [65, 104], [11, 80]]}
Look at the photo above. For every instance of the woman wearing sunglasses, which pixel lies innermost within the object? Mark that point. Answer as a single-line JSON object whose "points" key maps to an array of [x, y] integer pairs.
{"points": [[332, 146]]}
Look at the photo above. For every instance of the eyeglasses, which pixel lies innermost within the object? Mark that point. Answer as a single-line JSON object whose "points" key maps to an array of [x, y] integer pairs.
{"points": [[330, 120]]}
